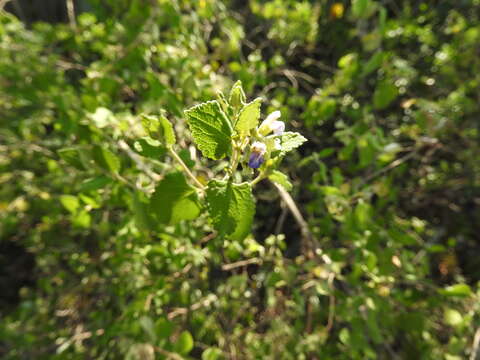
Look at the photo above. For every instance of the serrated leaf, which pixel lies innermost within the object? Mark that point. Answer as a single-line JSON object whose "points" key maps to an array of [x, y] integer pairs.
{"points": [[248, 117], [291, 140], [174, 200], [159, 128], [384, 94], [211, 129], [106, 159], [184, 343], [231, 208], [280, 179]]}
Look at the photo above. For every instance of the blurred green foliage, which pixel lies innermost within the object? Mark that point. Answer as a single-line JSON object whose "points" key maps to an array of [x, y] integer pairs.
{"points": [[386, 93]]}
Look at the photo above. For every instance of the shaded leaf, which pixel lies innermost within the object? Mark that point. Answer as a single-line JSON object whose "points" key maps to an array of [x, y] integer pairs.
{"points": [[174, 200], [231, 208]]}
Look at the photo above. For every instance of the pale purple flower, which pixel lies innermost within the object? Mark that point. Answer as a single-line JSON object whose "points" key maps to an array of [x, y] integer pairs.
{"points": [[278, 127], [271, 123]]}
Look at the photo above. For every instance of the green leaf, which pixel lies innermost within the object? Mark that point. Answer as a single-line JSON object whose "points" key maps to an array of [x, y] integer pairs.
{"points": [[70, 203], [291, 140], [106, 159], [248, 118], [167, 130], [140, 211], [174, 200], [102, 117], [457, 290], [237, 96], [280, 179], [149, 327], [211, 354], [95, 183], [452, 317], [326, 110], [149, 147], [384, 94], [71, 156], [373, 63], [159, 128], [231, 208], [164, 328], [362, 8], [184, 343], [82, 219], [211, 130]]}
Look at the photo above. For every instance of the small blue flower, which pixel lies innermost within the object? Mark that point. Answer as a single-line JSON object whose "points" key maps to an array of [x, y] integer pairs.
{"points": [[256, 159]]}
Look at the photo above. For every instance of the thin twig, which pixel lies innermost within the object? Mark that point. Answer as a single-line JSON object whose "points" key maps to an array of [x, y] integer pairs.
{"points": [[186, 169], [71, 14], [331, 311], [389, 167], [281, 219], [183, 311], [237, 264], [304, 228], [3, 3], [475, 345], [167, 354]]}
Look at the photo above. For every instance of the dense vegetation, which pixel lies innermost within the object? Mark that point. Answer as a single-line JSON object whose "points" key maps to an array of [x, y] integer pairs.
{"points": [[99, 261]]}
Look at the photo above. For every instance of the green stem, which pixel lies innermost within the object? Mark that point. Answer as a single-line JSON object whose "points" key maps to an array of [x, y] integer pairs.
{"points": [[185, 168], [259, 178], [235, 159]]}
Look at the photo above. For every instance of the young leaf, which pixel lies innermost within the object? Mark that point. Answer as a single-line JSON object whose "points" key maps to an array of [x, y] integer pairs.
{"points": [[174, 200], [291, 140], [281, 179], [237, 96], [211, 130], [231, 208], [248, 118], [106, 159], [159, 128]]}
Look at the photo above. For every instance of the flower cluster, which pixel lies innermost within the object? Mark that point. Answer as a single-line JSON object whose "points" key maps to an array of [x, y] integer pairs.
{"points": [[258, 148]]}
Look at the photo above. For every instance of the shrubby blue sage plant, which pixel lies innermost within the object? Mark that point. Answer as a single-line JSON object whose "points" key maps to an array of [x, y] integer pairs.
{"points": [[225, 128]]}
